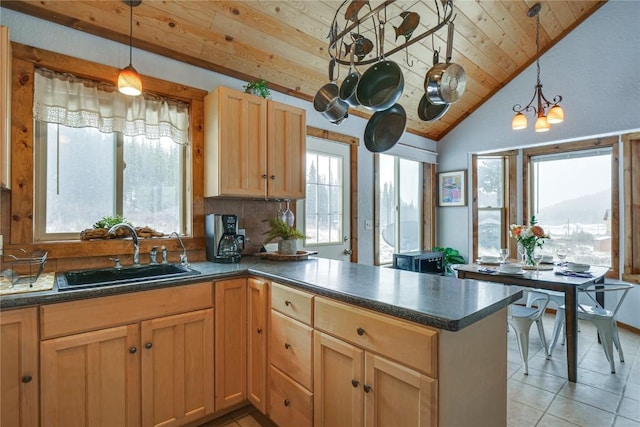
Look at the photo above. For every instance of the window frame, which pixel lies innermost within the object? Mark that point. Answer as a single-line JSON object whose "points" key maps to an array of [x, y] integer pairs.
{"points": [[68, 254], [584, 145]]}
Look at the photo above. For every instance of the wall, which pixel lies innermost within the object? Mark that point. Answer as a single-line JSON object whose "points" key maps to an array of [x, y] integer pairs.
{"points": [[46, 35], [596, 69]]}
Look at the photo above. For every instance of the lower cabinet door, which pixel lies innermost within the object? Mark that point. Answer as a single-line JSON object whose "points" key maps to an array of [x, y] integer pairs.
{"points": [[19, 379], [290, 404], [177, 368], [397, 395], [338, 399], [257, 302], [91, 379]]}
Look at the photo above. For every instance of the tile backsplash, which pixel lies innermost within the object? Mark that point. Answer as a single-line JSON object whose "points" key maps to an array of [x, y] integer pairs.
{"points": [[251, 216]]}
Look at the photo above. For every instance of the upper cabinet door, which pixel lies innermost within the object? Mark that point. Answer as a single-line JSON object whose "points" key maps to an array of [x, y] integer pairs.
{"points": [[235, 144], [5, 108], [286, 151]]}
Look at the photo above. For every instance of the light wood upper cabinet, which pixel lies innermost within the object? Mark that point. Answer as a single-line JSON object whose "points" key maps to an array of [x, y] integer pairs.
{"points": [[177, 368], [19, 368], [5, 108], [257, 309], [253, 147], [230, 342], [286, 151], [92, 378]]}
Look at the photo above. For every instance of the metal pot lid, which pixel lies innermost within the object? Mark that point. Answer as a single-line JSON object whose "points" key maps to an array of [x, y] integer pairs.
{"points": [[430, 112], [385, 128], [453, 83]]}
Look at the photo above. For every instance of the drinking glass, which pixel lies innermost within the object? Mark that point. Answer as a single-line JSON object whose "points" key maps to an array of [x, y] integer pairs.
{"points": [[521, 252], [504, 254], [561, 253], [537, 257]]}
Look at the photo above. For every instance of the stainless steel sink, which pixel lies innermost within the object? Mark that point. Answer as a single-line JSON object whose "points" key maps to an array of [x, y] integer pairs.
{"points": [[116, 276]]}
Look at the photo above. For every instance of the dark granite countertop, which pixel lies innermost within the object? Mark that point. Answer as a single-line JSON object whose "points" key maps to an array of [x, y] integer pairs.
{"points": [[441, 302]]}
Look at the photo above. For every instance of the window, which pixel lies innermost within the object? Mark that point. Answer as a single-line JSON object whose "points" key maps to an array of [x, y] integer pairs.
{"points": [[78, 182], [399, 207], [99, 153], [492, 206], [571, 197], [323, 204]]}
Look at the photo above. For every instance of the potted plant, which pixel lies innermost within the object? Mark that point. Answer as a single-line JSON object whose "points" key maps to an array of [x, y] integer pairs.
{"points": [[451, 256], [258, 88], [287, 245]]}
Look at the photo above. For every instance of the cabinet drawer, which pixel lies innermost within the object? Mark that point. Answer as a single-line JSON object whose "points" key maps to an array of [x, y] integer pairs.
{"points": [[290, 404], [291, 347], [292, 302], [412, 345], [98, 313]]}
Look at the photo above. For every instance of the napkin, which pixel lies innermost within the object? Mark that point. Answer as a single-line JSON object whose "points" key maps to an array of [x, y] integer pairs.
{"points": [[486, 270], [573, 274]]}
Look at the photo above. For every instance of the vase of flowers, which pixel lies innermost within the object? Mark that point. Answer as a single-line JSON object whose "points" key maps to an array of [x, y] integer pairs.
{"points": [[530, 237]]}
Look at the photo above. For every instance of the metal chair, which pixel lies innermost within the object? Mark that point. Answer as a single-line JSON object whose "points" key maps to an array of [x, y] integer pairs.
{"points": [[604, 320], [521, 318]]}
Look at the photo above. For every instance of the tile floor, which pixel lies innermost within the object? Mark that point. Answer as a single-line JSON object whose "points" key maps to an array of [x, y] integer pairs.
{"points": [[545, 397]]}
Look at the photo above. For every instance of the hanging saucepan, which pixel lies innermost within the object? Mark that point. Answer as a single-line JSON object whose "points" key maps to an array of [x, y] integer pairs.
{"points": [[428, 111], [445, 83], [385, 128], [381, 85], [327, 102], [350, 83]]}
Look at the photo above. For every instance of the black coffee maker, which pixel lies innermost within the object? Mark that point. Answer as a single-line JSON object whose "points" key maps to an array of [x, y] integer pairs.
{"points": [[223, 243]]}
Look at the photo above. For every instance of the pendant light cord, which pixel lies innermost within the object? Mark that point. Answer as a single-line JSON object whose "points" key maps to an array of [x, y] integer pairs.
{"points": [[131, 34], [538, 46]]}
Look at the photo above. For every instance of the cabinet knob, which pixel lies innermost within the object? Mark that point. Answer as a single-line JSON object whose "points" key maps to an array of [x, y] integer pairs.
{"points": [[360, 331], [287, 345], [287, 402], [133, 350], [287, 303], [273, 177], [366, 388], [264, 176], [148, 345], [26, 379], [355, 383], [259, 330]]}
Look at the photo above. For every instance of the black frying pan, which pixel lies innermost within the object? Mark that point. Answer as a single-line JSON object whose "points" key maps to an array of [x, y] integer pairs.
{"points": [[385, 128], [430, 112]]}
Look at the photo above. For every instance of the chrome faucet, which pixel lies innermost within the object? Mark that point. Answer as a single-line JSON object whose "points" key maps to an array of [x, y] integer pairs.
{"points": [[134, 237], [183, 257]]}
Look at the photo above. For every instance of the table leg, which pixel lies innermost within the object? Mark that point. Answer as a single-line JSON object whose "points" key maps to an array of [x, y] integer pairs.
{"points": [[571, 328]]}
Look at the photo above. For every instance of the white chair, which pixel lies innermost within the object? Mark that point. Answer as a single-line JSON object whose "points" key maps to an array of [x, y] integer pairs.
{"points": [[554, 296], [604, 320], [521, 318]]}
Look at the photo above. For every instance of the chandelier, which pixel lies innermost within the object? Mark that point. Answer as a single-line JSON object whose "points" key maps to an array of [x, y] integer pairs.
{"points": [[547, 112]]}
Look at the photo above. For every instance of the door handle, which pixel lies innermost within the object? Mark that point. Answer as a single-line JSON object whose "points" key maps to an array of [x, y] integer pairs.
{"points": [[347, 251]]}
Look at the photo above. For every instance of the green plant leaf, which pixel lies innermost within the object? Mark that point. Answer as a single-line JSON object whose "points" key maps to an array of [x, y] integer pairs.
{"points": [[280, 229]]}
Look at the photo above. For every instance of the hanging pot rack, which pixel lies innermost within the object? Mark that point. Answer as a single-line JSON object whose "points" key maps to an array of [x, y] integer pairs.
{"points": [[336, 35]]}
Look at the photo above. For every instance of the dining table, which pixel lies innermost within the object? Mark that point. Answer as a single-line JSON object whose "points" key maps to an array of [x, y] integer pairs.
{"points": [[549, 277]]}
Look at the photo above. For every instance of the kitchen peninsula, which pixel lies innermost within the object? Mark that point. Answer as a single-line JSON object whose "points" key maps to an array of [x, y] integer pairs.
{"points": [[428, 349]]}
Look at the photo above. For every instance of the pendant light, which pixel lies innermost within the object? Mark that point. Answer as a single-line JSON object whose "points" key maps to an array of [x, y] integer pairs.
{"points": [[129, 82], [544, 118]]}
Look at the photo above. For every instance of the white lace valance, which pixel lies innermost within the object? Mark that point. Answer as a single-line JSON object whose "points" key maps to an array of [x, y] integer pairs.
{"points": [[75, 102]]}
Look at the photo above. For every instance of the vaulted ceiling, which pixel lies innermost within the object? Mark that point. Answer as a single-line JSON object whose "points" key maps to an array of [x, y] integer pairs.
{"points": [[286, 42]]}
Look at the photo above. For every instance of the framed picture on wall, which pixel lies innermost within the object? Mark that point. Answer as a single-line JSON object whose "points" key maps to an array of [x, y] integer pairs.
{"points": [[452, 188]]}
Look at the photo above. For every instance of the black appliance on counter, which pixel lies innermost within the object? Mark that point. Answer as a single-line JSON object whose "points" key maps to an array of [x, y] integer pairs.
{"points": [[420, 261], [223, 243]]}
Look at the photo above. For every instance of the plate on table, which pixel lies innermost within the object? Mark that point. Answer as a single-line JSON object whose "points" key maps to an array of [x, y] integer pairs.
{"points": [[479, 261], [567, 269], [542, 267], [511, 273]]}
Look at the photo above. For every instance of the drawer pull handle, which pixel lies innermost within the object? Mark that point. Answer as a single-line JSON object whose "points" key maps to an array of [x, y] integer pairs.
{"points": [[355, 383], [360, 331], [26, 379], [287, 345], [366, 388], [287, 303], [259, 330], [148, 345], [287, 402], [132, 350]]}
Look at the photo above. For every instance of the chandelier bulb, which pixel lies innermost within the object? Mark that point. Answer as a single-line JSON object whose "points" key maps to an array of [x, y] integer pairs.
{"points": [[555, 115], [519, 122], [542, 125]]}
